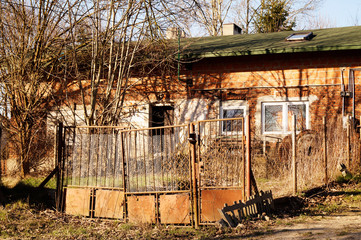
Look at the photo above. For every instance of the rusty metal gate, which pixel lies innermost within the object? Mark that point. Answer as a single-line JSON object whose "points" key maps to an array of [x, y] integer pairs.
{"points": [[221, 155], [172, 175]]}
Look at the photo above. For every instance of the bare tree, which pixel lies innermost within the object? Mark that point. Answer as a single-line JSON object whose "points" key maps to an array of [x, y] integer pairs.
{"points": [[33, 36], [211, 15], [245, 12], [104, 48], [319, 22], [122, 36]]}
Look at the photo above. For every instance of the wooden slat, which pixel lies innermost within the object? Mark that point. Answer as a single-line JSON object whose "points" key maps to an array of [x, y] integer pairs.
{"points": [[256, 205]]}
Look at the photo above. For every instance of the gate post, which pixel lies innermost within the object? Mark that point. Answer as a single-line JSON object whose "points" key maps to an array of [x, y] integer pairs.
{"points": [[294, 156], [248, 155], [59, 159], [125, 210], [325, 148], [348, 144], [193, 140]]}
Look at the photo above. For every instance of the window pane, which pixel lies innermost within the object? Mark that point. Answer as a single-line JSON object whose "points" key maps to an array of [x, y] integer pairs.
{"points": [[235, 125], [300, 111], [233, 113], [273, 118]]}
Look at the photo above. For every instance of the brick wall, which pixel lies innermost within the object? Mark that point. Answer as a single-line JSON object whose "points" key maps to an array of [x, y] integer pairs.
{"points": [[315, 77]]}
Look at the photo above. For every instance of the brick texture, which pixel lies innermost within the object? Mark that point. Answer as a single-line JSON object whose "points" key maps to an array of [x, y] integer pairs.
{"points": [[319, 74]]}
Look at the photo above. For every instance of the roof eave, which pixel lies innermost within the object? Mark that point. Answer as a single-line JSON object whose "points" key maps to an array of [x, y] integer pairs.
{"points": [[269, 51]]}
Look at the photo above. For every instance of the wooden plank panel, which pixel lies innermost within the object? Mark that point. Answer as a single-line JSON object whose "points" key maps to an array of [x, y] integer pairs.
{"points": [[109, 203], [77, 201], [211, 200], [174, 208], [141, 209]]}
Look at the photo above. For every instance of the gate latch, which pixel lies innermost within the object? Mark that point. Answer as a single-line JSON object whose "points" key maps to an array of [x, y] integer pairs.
{"points": [[192, 138]]}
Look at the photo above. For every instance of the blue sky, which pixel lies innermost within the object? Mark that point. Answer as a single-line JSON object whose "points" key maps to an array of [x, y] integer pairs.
{"points": [[341, 13]]}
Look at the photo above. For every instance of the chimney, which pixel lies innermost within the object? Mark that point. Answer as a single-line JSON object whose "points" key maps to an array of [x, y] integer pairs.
{"points": [[172, 33], [231, 29]]}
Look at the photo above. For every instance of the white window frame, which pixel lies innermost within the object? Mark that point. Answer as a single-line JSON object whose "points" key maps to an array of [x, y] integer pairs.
{"points": [[284, 116], [231, 108]]}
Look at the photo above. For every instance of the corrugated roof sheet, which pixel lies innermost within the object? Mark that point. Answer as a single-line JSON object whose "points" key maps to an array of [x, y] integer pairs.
{"points": [[346, 38]]}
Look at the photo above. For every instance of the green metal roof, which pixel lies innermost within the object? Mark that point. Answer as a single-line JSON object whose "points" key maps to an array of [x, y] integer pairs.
{"points": [[346, 38]]}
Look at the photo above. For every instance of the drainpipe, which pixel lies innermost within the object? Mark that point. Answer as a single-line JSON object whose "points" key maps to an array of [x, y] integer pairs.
{"points": [[352, 72], [343, 90]]}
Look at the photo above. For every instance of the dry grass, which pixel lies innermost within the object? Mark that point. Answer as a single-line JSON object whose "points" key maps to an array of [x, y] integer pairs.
{"points": [[273, 169], [26, 217], [20, 220]]}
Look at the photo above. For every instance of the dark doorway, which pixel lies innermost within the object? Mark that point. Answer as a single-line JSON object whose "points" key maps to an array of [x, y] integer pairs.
{"points": [[161, 116]]}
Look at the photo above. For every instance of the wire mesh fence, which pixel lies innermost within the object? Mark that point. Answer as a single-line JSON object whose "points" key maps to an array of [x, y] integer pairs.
{"points": [[136, 160], [272, 157], [222, 153], [157, 159], [93, 157]]}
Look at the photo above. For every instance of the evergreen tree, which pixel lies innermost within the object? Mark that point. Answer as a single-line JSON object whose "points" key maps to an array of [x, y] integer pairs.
{"points": [[273, 17]]}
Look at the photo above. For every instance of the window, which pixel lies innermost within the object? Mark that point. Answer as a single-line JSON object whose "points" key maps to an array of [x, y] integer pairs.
{"points": [[300, 36], [277, 117], [232, 112]]}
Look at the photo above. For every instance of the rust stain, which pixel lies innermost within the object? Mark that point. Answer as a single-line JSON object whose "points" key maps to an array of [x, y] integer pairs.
{"points": [[174, 208], [211, 200], [141, 209], [109, 204], [77, 201]]}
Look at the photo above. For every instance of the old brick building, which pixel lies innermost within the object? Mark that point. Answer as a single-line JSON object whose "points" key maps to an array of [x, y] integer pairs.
{"points": [[314, 74], [272, 76]]}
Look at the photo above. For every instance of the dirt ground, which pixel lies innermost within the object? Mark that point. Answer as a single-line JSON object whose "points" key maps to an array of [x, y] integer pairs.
{"points": [[332, 212], [339, 226], [329, 212]]}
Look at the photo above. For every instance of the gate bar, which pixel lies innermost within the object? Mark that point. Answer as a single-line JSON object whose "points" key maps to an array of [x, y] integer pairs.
{"points": [[192, 140]]}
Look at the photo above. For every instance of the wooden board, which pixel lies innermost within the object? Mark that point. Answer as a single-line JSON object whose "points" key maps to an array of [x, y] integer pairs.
{"points": [[77, 201], [211, 200], [109, 203], [141, 209], [174, 208]]}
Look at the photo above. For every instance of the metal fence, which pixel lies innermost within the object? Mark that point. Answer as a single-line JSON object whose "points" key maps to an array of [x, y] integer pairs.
{"points": [[318, 155], [221, 160], [183, 174], [173, 174], [102, 156], [221, 153]]}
